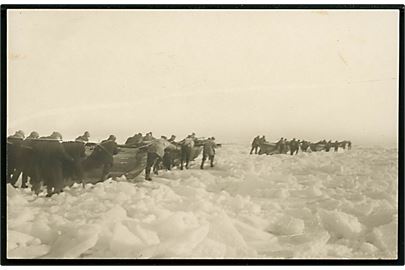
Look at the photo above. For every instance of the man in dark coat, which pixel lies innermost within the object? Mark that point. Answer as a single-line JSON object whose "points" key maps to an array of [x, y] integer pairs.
{"points": [[255, 144], [14, 143], [293, 146], [344, 143], [110, 147], [51, 157], [298, 146], [209, 152], [304, 146], [28, 167], [102, 157], [168, 157], [328, 145], [77, 151]]}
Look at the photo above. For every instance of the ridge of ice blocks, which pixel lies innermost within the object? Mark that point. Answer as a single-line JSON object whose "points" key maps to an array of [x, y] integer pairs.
{"points": [[311, 205], [340, 224]]}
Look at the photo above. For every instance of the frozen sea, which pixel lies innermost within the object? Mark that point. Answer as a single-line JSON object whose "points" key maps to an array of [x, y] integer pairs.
{"points": [[311, 205]]}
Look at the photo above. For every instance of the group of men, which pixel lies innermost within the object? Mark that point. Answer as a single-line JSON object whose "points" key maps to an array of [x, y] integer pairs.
{"points": [[48, 159], [163, 151], [257, 141], [293, 146]]}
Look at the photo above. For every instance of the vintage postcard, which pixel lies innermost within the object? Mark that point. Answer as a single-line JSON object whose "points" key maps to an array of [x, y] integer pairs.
{"points": [[202, 133]]}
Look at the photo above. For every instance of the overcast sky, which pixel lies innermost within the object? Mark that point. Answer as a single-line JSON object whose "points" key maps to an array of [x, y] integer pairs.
{"points": [[231, 74]]}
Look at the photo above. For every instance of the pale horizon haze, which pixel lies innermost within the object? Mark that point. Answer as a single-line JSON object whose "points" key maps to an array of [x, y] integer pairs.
{"points": [[231, 74]]}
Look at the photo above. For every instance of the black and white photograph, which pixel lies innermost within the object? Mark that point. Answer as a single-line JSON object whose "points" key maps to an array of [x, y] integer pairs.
{"points": [[202, 133]]}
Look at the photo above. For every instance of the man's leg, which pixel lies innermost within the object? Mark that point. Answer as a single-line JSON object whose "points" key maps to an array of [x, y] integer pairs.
{"points": [[212, 160], [170, 161], [48, 179], [24, 180], [59, 183], [49, 189], [79, 172], [202, 162], [14, 178], [156, 165], [150, 160], [35, 179], [188, 155], [182, 157], [165, 161], [35, 185]]}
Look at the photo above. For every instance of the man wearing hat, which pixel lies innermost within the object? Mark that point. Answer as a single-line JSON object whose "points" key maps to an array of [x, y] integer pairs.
{"points": [[172, 138], [54, 136], [83, 138], [33, 135], [110, 138], [18, 136]]}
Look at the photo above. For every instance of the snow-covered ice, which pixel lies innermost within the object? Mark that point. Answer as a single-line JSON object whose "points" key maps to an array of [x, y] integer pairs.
{"points": [[312, 205]]}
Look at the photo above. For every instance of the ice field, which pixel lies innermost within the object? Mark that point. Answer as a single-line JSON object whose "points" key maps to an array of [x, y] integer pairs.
{"points": [[312, 205]]}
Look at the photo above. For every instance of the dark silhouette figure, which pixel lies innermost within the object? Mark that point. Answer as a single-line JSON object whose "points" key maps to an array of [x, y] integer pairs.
{"points": [[255, 144], [336, 146]]}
